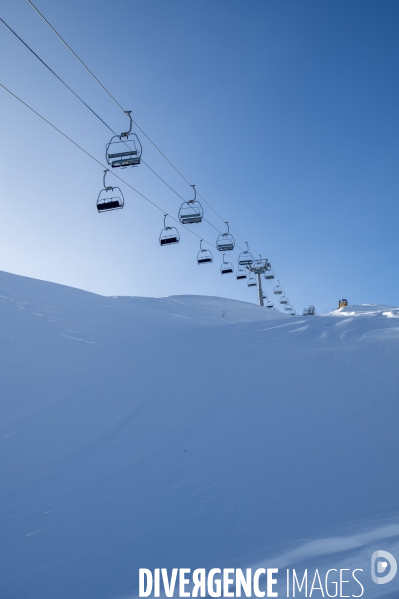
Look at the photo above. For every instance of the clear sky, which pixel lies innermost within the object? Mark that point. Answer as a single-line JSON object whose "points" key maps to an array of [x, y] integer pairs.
{"points": [[283, 113]]}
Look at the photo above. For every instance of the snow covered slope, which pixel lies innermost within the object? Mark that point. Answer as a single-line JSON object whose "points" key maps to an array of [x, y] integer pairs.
{"points": [[190, 432]]}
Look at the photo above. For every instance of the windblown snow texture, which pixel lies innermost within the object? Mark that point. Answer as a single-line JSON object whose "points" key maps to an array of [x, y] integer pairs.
{"points": [[190, 432]]}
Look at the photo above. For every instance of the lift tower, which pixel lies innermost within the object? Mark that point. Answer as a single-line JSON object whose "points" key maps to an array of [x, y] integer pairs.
{"points": [[259, 267]]}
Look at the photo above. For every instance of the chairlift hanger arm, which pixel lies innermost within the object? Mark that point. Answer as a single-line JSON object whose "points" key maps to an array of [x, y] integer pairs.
{"points": [[126, 133], [109, 187]]}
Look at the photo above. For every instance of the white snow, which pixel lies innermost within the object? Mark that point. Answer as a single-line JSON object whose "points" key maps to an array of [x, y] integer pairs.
{"points": [[190, 432]]}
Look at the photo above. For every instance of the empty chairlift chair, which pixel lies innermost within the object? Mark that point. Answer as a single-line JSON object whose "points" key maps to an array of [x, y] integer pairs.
{"points": [[269, 303], [251, 281], [241, 274], [226, 268], [204, 256], [109, 198], [278, 290], [269, 273], [288, 307], [283, 300], [245, 258], [225, 242], [124, 150], [169, 235], [191, 212]]}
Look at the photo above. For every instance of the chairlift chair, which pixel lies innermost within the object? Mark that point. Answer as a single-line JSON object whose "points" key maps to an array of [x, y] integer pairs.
{"points": [[269, 273], [269, 303], [109, 198], [169, 235], [191, 212], [241, 274], [204, 256], [283, 300], [227, 268], [125, 149], [251, 281], [225, 242], [278, 290], [245, 258], [288, 308]]}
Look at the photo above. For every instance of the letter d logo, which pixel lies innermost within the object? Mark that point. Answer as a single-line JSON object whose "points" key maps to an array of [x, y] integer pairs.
{"points": [[379, 564]]}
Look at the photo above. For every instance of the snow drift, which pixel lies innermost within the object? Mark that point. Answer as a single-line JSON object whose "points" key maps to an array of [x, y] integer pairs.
{"points": [[190, 432]]}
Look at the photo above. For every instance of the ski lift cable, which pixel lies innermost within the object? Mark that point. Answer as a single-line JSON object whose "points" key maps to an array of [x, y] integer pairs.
{"points": [[77, 57], [110, 128], [124, 111], [54, 73], [95, 114]]}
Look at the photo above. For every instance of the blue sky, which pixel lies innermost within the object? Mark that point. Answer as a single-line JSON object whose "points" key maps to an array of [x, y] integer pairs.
{"points": [[284, 114]]}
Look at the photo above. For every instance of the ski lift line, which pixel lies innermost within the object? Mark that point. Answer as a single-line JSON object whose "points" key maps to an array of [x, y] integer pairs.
{"points": [[95, 114], [124, 111], [81, 100], [100, 163], [106, 125], [103, 166]]}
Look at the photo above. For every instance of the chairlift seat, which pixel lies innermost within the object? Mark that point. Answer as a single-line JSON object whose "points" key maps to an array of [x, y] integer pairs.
{"points": [[225, 245], [112, 204], [190, 219], [269, 275], [204, 260], [169, 239], [133, 161], [123, 154]]}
